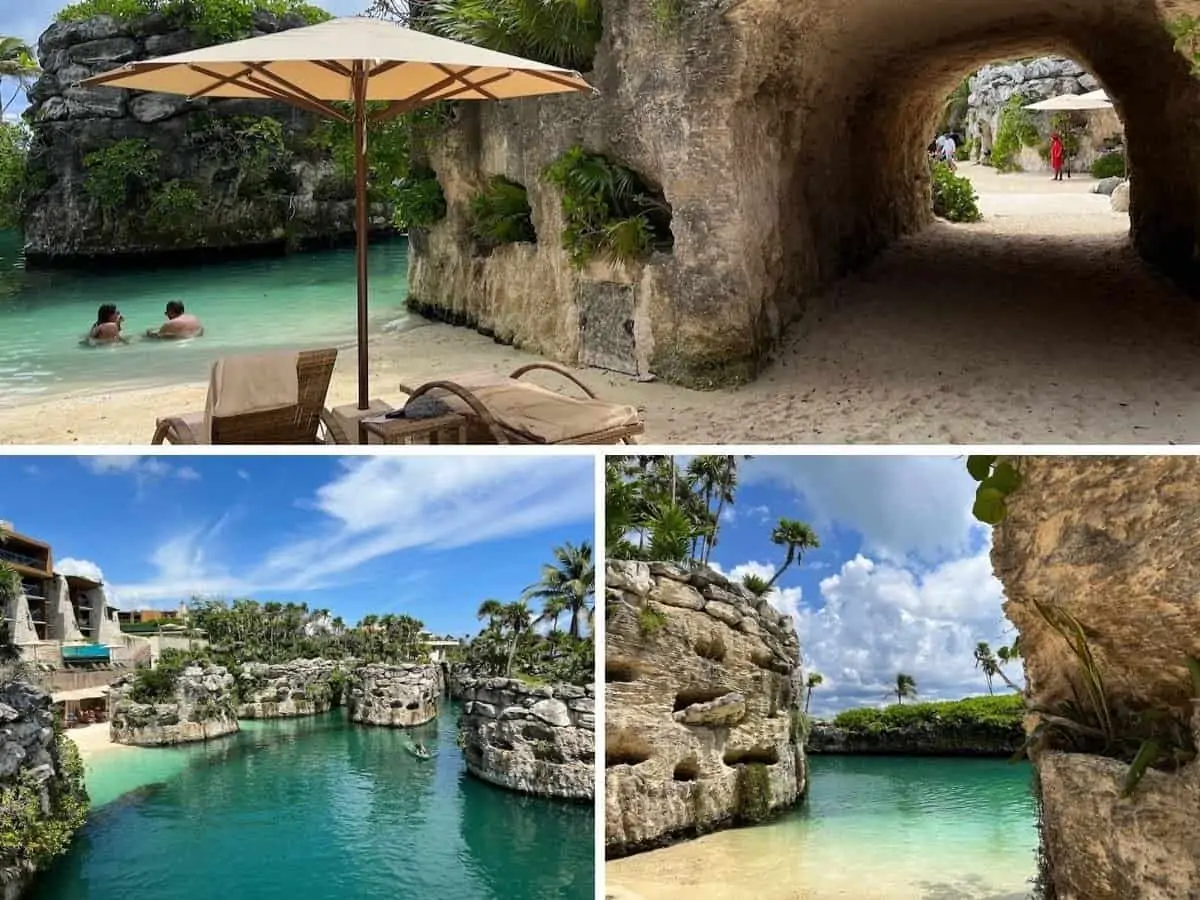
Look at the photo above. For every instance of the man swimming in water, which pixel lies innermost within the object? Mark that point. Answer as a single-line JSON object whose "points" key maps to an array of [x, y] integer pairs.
{"points": [[107, 329], [179, 324]]}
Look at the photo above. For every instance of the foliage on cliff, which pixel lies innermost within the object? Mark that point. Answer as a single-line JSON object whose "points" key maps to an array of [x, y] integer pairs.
{"points": [[1016, 129], [14, 142], [999, 713], [608, 211], [560, 32], [31, 836], [500, 214], [213, 21]]}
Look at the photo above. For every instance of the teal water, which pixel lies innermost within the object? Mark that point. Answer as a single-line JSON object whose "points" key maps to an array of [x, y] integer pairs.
{"points": [[316, 809], [901, 828], [301, 301]]}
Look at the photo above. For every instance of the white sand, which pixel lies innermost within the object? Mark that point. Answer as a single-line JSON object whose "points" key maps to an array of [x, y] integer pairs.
{"points": [[92, 740], [1038, 325]]}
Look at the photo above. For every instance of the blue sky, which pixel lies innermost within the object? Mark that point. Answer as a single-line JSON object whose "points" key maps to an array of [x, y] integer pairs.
{"points": [[431, 537], [29, 18], [902, 581]]}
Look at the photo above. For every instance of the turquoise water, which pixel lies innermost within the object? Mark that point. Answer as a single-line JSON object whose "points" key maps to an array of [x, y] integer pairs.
{"points": [[316, 809], [300, 301], [886, 827]]}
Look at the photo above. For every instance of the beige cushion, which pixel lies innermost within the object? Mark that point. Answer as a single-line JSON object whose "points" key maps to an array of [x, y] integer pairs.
{"points": [[544, 415], [247, 384]]}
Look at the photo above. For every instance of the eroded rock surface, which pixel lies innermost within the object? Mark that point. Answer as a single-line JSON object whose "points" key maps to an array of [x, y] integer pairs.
{"points": [[536, 740], [301, 687], [400, 696], [702, 727], [35, 771], [1111, 541], [201, 709]]}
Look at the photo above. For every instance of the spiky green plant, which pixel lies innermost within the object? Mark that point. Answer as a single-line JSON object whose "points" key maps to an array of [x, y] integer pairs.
{"points": [[500, 214], [560, 32]]}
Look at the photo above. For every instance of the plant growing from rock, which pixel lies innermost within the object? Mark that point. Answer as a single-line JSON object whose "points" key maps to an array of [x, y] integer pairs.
{"points": [[997, 481], [560, 32], [121, 174], [419, 200], [650, 620], [1016, 129], [954, 197], [500, 214], [212, 21], [31, 835], [608, 211], [174, 209]]}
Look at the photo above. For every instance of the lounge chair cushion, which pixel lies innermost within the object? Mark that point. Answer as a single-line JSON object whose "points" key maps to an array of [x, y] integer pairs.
{"points": [[544, 415], [247, 384]]}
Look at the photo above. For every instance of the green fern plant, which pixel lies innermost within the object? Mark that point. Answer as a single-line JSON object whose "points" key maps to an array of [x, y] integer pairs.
{"points": [[560, 32], [419, 200], [500, 214]]}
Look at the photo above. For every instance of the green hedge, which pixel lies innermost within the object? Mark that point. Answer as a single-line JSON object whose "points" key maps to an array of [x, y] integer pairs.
{"points": [[1001, 712], [1110, 165]]}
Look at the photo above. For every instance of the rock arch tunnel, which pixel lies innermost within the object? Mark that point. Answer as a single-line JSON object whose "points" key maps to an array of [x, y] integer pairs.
{"points": [[789, 138]]}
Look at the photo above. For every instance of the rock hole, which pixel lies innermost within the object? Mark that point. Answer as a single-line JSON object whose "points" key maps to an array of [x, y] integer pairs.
{"points": [[413, 705], [621, 670], [625, 747], [767, 756], [688, 696], [500, 214], [686, 770], [711, 646]]}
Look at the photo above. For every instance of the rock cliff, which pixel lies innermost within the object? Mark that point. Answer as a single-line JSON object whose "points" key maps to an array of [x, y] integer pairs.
{"points": [[201, 708], [702, 725], [1110, 542], [396, 695], [117, 172], [42, 797], [301, 687], [536, 740], [917, 740]]}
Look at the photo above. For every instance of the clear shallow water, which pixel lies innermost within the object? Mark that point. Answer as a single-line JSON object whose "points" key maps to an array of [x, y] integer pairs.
{"points": [[900, 828], [300, 301], [315, 809]]}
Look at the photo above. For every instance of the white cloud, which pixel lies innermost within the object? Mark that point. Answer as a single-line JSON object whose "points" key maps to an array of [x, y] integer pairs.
{"points": [[902, 506], [243, 474], [187, 473], [84, 568], [142, 468], [377, 506], [879, 619]]}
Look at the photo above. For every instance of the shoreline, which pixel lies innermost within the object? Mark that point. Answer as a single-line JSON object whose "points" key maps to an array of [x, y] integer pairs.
{"points": [[92, 741]]}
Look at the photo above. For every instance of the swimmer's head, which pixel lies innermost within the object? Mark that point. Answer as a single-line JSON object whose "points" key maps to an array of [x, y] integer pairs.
{"points": [[107, 313], [174, 309]]}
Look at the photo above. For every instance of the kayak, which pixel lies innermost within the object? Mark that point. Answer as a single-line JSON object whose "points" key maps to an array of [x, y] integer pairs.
{"points": [[419, 754]]}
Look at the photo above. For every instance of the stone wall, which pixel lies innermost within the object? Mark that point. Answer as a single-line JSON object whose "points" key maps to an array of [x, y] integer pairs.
{"points": [[701, 711], [1037, 79], [202, 708], [1110, 540], [536, 740], [301, 687], [301, 198], [400, 696], [36, 769], [923, 739]]}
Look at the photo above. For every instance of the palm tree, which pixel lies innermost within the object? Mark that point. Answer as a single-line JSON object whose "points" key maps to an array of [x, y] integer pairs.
{"points": [[17, 61], [569, 581], [726, 488], [986, 660], [906, 686], [1006, 655], [814, 680], [756, 584], [797, 537], [516, 617]]}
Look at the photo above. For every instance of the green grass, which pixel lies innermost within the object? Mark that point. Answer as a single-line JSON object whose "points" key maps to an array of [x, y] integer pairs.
{"points": [[1000, 712]]}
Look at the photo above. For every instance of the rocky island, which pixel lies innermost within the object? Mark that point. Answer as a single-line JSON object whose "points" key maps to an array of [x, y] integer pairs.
{"points": [[301, 687], [398, 696], [163, 706], [703, 726]]}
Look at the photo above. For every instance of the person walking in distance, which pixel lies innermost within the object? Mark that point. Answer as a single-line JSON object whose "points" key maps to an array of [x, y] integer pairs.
{"points": [[1057, 154]]}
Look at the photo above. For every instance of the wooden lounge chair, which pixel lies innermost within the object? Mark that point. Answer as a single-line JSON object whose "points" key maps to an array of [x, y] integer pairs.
{"points": [[503, 410], [295, 423]]}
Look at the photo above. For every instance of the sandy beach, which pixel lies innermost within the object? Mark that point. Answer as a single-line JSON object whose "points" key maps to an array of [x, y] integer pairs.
{"points": [[1038, 325], [92, 741]]}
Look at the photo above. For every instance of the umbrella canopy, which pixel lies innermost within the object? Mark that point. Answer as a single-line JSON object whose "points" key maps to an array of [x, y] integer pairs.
{"points": [[354, 60], [1095, 95], [1071, 103]]}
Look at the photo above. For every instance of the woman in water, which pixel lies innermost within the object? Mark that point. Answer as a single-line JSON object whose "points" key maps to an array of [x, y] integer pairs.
{"points": [[107, 329]]}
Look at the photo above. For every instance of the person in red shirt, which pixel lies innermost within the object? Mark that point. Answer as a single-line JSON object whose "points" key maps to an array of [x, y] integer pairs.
{"points": [[1057, 152]]}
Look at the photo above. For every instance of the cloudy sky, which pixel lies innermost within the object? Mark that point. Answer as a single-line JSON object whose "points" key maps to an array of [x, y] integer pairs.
{"points": [[27, 19], [902, 581], [431, 537]]}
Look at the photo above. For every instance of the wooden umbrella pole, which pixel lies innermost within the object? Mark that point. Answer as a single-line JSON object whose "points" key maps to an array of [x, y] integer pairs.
{"points": [[360, 227]]}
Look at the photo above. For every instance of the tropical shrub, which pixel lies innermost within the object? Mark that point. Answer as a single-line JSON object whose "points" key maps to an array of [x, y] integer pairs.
{"points": [[1016, 129], [1002, 712], [121, 173], [173, 208], [560, 32], [954, 198], [14, 148], [500, 214], [213, 21], [608, 211], [1109, 165], [419, 200], [31, 835]]}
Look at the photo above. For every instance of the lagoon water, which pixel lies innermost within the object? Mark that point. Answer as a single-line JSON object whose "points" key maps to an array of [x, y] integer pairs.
{"points": [[301, 301], [317, 809], [892, 828]]}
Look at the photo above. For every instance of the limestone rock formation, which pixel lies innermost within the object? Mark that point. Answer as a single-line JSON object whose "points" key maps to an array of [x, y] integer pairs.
{"points": [[1120, 197], [702, 720], [401, 695], [536, 740], [200, 189], [301, 687], [1111, 541], [35, 771], [921, 739], [202, 708]]}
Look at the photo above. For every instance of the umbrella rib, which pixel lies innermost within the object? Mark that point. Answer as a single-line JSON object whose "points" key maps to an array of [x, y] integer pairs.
{"points": [[124, 72], [461, 78], [333, 66], [268, 91], [296, 91], [565, 82], [426, 95], [386, 67], [218, 80]]}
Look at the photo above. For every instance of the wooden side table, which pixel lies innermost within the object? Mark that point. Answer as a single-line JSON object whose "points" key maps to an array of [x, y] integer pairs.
{"points": [[449, 428]]}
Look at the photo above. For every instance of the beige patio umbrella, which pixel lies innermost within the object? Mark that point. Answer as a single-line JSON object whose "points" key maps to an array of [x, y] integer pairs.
{"points": [[355, 60]]}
